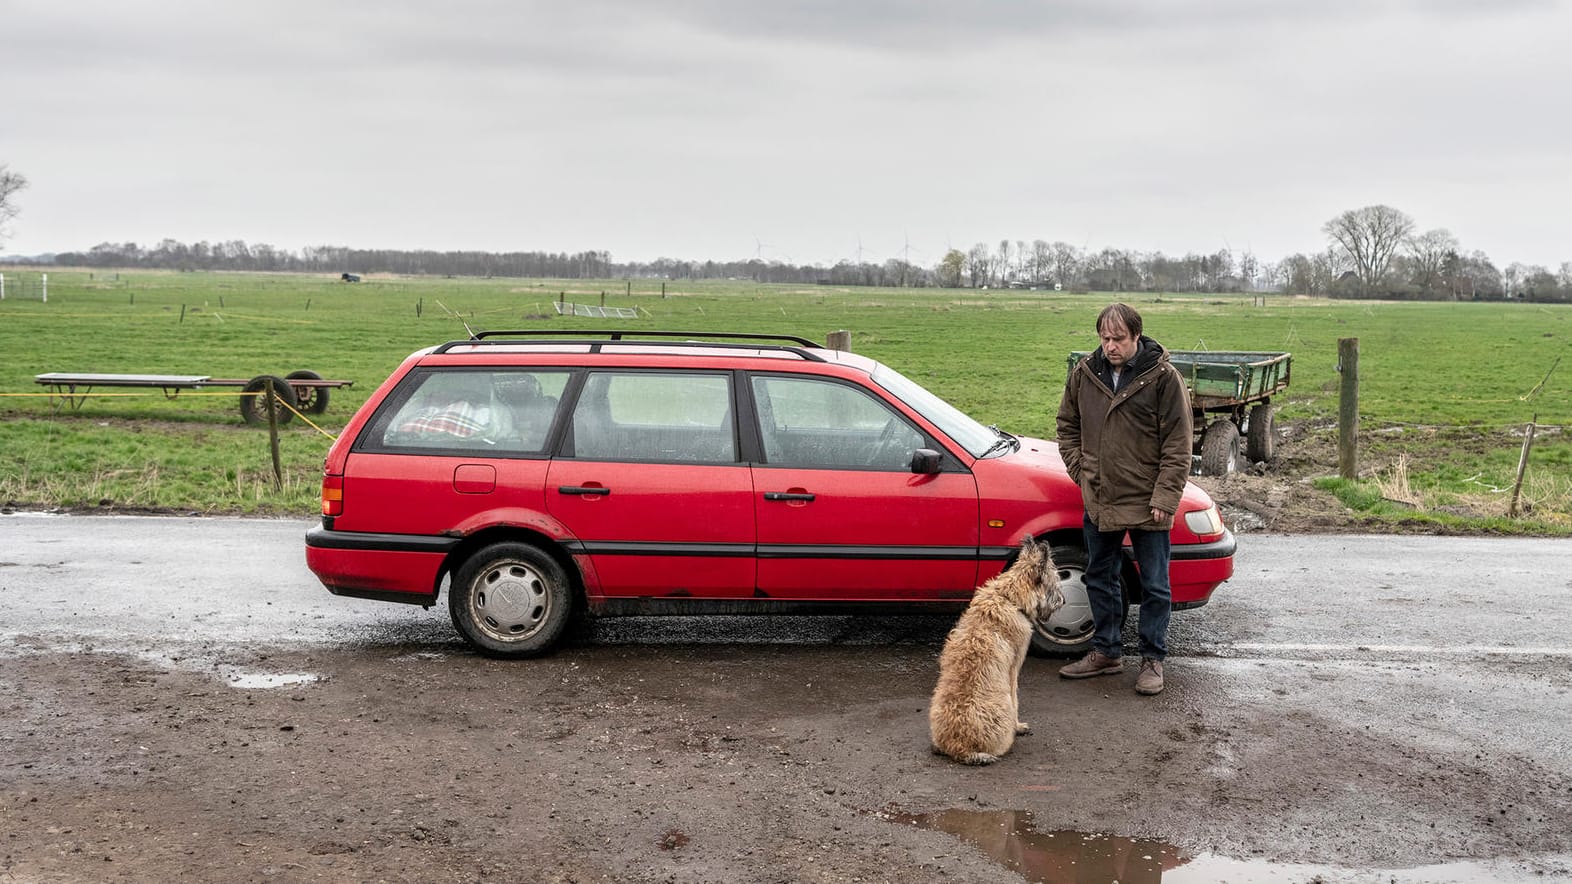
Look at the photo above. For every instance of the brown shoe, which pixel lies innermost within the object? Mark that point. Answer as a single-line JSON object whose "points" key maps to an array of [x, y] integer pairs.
{"points": [[1094, 663], [1150, 681]]}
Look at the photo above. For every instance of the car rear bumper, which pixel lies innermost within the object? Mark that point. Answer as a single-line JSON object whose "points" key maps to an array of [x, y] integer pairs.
{"points": [[387, 567]]}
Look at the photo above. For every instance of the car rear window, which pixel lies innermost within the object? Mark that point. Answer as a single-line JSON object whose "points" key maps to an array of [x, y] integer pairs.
{"points": [[466, 410]]}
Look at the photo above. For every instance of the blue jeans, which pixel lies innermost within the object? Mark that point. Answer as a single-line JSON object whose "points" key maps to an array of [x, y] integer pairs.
{"points": [[1103, 560]]}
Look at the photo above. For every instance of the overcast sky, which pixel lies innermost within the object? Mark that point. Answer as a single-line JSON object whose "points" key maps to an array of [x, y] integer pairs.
{"points": [[795, 130]]}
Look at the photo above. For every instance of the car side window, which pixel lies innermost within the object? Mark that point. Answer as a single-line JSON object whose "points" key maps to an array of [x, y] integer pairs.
{"points": [[496, 410], [808, 422], [643, 416]]}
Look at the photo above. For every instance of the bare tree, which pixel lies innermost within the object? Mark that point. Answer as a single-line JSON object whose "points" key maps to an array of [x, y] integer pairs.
{"points": [[1042, 260], [1369, 237], [1249, 271], [1514, 275], [978, 264], [11, 183], [1066, 263], [1429, 252]]}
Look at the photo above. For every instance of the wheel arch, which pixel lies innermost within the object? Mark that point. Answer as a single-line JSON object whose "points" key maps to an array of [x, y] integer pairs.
{"points": [[1128, 576], [505, 533]]}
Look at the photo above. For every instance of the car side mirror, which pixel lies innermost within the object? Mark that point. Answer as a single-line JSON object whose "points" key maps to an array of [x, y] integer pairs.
{"points": [[926, 461]]}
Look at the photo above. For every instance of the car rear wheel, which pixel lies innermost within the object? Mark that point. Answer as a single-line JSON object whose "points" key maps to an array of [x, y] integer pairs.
{"points": [[1068, 633], [511, 600]]}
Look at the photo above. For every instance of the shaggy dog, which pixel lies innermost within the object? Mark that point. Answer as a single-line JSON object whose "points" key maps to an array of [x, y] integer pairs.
{"points": [[975, 714]]}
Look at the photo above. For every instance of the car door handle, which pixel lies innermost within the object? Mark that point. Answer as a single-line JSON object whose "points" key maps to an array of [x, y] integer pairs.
{"points": [[786, 495], [583, 489]]}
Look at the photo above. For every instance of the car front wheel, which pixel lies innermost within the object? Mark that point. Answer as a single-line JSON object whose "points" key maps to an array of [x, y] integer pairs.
{"points": [[1068, 633], [511, 600]]}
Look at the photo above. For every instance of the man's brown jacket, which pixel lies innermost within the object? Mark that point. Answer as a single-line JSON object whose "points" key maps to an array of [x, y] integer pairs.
{"points": [[1128, 450]]}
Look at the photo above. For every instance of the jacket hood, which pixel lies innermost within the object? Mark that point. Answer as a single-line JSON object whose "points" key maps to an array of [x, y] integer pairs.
{"points": [[1148, 354]]}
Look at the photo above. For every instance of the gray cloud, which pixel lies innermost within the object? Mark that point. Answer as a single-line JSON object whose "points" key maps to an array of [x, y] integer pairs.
{"points": [[687, 127]]}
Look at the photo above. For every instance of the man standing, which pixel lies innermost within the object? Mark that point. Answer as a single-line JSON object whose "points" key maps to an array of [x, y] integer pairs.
{"points": [[1124, 433]]}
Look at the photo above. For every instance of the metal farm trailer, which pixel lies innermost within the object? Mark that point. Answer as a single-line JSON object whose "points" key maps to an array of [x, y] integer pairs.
{"points": [[1230, 399], [304, 391]]}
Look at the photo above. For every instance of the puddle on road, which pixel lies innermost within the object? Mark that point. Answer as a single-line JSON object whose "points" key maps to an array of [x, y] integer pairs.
{"points": [[245, 681], [1064, 856], [1069, 857]]}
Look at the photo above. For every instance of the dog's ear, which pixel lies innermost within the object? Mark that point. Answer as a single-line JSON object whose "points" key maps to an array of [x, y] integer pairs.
{"points": [[1028, 545]]}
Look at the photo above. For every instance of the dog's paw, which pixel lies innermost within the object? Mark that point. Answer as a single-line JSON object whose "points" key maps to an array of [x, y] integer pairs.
{"points": [[979, 758], [1022, 728]]}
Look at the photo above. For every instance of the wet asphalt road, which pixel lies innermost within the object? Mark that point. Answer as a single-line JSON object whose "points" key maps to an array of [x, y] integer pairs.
{"points": [[146, 583]]}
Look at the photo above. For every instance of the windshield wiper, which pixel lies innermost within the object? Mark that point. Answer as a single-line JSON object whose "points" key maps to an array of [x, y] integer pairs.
{"points": [[1004, 441]]}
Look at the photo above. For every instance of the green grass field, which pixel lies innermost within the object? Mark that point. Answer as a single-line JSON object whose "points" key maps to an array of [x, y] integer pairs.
{"points": [[1444, 386]]}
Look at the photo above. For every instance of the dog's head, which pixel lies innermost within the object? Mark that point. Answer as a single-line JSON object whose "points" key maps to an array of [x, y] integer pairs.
{"points": [[1038, 577]]}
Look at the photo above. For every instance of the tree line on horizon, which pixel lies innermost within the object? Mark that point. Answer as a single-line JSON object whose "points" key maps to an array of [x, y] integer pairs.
{"points": [[1373, 252]]}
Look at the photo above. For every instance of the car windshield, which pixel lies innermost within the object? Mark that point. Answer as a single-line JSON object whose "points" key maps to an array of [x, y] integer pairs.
{"points": [[969, 434]]}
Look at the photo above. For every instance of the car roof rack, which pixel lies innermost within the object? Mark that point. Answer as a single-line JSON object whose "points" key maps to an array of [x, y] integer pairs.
{"points": [[596, 339]]}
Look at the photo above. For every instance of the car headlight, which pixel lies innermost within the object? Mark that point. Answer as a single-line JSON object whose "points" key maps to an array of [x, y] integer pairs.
{"points": [[1204, 522]]}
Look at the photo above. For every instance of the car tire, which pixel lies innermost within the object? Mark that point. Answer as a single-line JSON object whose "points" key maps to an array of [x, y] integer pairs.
{"points": [[313, 400], [511, 600], [1068, 633], [1260, 434], [1220, 448], [253, 401]]}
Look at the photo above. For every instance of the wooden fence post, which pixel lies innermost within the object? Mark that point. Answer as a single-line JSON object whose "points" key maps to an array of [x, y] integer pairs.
{"points": [[272, 434], [839, 340], [1348, 409], [1522, 466]]}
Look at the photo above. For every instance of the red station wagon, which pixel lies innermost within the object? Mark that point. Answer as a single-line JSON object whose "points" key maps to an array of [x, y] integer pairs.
{"points": [[538, 473]]}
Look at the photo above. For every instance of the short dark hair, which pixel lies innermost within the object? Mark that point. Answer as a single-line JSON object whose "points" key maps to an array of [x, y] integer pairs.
{"points": [[1123, 314]]}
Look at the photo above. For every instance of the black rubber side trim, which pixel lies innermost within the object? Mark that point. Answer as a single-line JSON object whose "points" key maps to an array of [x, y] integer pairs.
{"points": [[926, 553], [685, 606], [323, 538]]}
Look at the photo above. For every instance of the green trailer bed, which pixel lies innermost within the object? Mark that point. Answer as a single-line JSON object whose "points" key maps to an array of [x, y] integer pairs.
{"points": [[1230, 399]]}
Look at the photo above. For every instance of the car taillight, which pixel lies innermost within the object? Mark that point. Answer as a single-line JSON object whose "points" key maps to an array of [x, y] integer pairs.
{"points": [[1204, 523], [332, 495]]}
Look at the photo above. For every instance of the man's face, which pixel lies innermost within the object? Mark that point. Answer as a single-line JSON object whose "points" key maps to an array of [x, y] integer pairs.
{"points": [[1118, 343]]}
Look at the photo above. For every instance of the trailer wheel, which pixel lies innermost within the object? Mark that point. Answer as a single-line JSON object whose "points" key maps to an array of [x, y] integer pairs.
{"points": [[1220, 448], [313, 400], [253, 408], [1260, 434]]}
